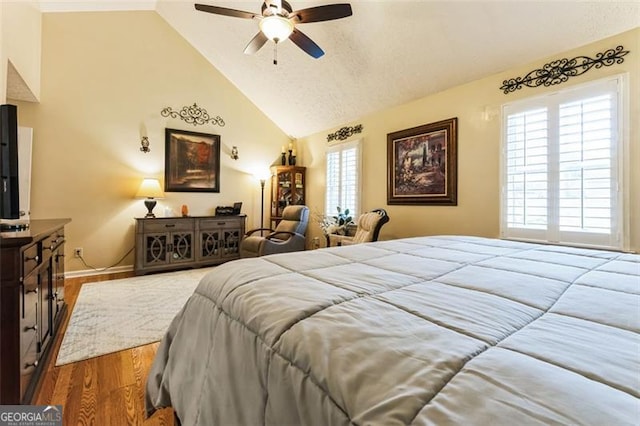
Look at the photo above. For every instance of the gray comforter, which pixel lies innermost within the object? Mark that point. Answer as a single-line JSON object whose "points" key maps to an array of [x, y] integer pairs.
{"points": [[431, 330]]}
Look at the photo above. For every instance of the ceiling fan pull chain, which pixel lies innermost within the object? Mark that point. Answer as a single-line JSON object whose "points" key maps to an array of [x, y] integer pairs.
{"points": [[275, 53]]}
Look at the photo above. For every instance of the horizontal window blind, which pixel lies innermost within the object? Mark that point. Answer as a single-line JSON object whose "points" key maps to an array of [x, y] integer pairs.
{"points": [[343, 178], [561, 167]]}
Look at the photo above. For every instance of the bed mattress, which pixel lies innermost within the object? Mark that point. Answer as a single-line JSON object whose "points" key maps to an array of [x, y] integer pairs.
{"points": [[419, 331]]}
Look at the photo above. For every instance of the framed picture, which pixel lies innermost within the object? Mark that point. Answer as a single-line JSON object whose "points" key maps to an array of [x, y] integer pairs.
{"points": [[192, 161], [422, 164]]}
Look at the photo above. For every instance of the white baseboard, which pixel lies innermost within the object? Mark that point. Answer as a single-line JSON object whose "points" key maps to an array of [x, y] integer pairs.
{"points": [[89, 272]]}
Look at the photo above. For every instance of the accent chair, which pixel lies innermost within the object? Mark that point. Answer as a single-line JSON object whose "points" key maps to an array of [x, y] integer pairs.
{"points": [[288, 236], [368, 229]]}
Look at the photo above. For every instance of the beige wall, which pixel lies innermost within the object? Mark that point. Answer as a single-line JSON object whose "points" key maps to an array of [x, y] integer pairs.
{"points": [[105, 78], [477, 212], [20, 41]]}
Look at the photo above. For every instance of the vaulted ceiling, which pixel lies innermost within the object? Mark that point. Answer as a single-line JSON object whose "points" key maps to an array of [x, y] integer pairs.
{"points": [[388, 53]]}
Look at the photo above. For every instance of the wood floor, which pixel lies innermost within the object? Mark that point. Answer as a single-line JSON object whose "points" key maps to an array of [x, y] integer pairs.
{"points": [[107, 390]]}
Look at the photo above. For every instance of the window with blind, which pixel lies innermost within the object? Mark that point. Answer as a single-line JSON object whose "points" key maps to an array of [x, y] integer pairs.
{"points": [[562, 174], [343, 178]]}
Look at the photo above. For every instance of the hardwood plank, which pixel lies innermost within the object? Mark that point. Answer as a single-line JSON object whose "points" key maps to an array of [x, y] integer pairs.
{"points": [[81, 400], [119, 407], [114, 371], [78, 281], [163, 417], [47, 387], [62, 385], [142, 357]]}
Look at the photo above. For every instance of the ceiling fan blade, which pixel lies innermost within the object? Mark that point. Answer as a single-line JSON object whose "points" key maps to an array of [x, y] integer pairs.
{"points": [[322, 13], [305, 43], [226, 11], [256, 43]]}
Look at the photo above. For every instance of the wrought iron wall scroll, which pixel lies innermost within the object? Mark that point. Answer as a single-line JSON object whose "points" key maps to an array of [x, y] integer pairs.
{"points": [[344, 133], [559, 71], [193, 115]]}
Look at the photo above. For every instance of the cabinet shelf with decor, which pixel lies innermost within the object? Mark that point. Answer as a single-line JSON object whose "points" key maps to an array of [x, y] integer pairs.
{"points": [[287, 188]]}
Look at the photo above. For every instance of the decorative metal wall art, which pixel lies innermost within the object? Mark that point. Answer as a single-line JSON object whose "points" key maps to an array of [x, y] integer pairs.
{"points": [[344, 133], [193, 115], [559, 71]]}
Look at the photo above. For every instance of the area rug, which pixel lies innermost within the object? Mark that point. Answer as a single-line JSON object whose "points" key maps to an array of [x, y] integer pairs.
{"points": [[110, 316]]}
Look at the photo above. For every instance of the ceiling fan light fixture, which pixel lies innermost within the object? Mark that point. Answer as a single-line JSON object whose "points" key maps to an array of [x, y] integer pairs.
{"points": [[278, 21], [276, 28]]}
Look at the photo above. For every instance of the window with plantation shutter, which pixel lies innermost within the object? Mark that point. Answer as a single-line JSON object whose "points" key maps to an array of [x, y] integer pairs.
{"points": [[343, 178], [562, 174]]}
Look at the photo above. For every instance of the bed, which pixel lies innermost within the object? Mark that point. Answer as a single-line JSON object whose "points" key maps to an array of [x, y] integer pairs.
{"points": [[422, 331]]}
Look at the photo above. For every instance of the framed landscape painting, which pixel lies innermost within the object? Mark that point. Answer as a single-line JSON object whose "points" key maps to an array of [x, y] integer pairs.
{"points": [[422, 164], [192, 161]]}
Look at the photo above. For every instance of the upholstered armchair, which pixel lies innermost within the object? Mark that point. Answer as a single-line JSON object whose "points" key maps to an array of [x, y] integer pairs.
{"points": [[288, 236], [368, 229]]}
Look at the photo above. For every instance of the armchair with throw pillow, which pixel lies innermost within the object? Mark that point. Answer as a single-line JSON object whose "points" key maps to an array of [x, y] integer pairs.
{"points": [[288, 236], [368, 229]]}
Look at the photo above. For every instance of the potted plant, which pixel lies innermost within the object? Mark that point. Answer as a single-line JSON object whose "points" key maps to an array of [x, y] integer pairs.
{"points": [[337, 224], [341, 221]]}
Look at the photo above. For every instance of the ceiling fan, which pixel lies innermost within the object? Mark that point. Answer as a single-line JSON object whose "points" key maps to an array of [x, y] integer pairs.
{"points": [[278, 22]]}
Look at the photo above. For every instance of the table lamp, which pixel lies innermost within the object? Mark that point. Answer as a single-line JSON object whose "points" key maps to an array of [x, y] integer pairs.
{"points": [[150, 189]]}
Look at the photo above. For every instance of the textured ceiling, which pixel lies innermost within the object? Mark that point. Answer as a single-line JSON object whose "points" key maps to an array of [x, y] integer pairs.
{"points": [[16, 86], [388, 53]]}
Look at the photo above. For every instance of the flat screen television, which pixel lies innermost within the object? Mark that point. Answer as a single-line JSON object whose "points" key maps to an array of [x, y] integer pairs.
{"points": [[9, 186]]}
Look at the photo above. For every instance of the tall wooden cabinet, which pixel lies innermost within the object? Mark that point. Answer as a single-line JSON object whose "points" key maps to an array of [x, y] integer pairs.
{"points": [[31, 305], [287, 188], [164, 244]]}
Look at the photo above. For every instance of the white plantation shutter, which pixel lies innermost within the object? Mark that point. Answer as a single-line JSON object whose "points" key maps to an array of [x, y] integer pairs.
{"points": [[333, 182], [562, 178], [527, 169], [586, 162], [343, 178]]}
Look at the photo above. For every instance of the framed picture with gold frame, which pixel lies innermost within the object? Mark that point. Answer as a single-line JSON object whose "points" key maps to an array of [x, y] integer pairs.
{"points": [[422, 164]]}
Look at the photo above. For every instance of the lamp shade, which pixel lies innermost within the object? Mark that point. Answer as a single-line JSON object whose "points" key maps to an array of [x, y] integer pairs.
{"points": [[150, 188], [276, 28], [261, 173]]}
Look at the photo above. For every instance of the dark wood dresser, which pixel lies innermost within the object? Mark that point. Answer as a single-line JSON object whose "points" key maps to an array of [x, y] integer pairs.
{"points": [[31, 304]]}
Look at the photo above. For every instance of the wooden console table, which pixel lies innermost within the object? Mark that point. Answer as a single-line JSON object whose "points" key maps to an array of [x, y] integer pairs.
{"points": [[164, 244], [31, 305]]}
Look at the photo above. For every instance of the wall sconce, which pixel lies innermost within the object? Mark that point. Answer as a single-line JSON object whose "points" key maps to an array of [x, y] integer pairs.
{"points": [[490, 112], [234, 153], [145, 145]]}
